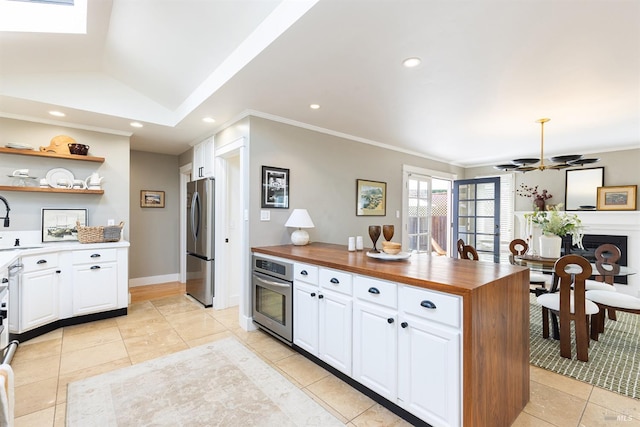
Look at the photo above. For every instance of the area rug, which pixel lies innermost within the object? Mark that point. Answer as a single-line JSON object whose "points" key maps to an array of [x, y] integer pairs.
{"points": [[614, 360], [217, 384]]}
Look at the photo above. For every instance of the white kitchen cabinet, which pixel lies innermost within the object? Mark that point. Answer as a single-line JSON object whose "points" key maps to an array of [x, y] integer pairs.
{"points": [[305, 317], [334, 329], [203, 159], [429, 358], [375, 335], [95, 281], [39, 291]]}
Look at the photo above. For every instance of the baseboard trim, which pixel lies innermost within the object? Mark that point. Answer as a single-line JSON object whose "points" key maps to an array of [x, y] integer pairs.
{"points": [[153, 280]]}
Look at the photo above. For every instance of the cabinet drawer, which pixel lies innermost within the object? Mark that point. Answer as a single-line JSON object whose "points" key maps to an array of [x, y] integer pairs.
{"points": [[39, 262], [305, 273], [94, 256], [376, 291], [430, 305], [336, 281]]}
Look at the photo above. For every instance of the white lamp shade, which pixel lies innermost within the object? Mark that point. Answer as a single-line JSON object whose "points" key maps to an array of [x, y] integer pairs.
{"points": [[300, 219]]}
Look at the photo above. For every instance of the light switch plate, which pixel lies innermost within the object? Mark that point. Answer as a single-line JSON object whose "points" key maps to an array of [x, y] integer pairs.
{"points": [[265, 215]]}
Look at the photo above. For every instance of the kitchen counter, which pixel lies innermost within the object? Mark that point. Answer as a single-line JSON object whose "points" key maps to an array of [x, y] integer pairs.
{"points": [[9, 254], [495, 319]]}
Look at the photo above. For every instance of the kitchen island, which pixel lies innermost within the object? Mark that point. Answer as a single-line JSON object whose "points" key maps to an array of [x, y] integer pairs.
{"points": [[493, 347]]}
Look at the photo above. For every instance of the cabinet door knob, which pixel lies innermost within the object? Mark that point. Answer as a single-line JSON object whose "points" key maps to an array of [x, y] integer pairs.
{"points": [[404, 324], [95, 267], [334, 281], [5, 280], [313, 294], [427, 304], [304, 273], [320, 296], [390, 320], [41, 261], [95, 256], [374, 291]]}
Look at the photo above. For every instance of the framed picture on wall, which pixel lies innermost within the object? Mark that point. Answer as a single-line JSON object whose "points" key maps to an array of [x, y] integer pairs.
{"points": [[60, 225], [151, 199], [621, 198], [275, 188], [371, 198]]}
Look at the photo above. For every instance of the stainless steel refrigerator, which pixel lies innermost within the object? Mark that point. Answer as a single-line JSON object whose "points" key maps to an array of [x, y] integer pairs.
{"points": [[200, 240]]}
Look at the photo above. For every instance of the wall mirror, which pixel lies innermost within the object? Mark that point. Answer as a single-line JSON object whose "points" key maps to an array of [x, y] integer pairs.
{"points": [[581, 191]]}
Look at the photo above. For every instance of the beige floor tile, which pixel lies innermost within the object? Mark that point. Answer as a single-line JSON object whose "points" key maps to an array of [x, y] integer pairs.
{"points": [[554, 406], [209, 338], [49, 348], [158, 352], [85, 338], [616, 402], [90, 327], [561, 382], [528, 420], [341, 396], [142, 327], [60, 417], [379, 416], [598, 416], [153, 342], [55, 334], [44, 417], [34, 370], [325, 405], [64, 380], [301, 369], [197, 326], [272, 349], [35, 397], [92, 356]]}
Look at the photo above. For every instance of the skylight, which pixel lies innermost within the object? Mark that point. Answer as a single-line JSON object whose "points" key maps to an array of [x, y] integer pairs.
{"points": [[44, 16]]}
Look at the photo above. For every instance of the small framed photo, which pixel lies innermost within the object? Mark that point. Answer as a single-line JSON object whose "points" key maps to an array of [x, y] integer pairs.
{"points": [[275, 188], [151, 199], [621, 198], [60, 225], [371, 198]]}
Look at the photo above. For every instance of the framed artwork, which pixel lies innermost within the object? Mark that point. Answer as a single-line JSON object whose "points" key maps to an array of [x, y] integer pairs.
{"points": [[151, 199], [275, 188], [621, 198], [371, 198], [581, 188], [59, 225]]}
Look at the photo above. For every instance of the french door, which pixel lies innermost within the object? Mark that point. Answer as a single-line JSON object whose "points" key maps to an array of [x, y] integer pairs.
{"points": [[476, 213]]}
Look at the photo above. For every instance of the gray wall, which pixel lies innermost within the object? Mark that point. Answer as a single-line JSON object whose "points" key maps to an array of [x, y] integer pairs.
{"points": [[323, 173], [155, 232], [26, 207], [620, 168]]}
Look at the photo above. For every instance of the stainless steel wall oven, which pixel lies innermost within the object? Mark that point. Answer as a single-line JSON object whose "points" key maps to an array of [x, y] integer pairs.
{"points": [[272, 285]]}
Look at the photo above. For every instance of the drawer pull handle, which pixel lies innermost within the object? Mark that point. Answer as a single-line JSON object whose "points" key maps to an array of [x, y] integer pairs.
{"points": [[313, 294], [374, 291], [95, 256], [320, 296], [427, 304], [41, 261], [58, 271], [5, 280], [390, 320], [304, 273], [404, 324], [334, 281], [95, 267]]}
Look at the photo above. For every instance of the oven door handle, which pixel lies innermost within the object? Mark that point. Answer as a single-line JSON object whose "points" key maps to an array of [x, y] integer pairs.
{"points": [[272, 283]]}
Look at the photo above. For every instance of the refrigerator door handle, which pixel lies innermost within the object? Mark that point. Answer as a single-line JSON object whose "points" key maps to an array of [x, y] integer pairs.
{"points": [[195, 215]]}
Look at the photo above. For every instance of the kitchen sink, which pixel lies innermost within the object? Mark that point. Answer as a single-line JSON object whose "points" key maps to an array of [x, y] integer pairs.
{"points": [[14, 248]]}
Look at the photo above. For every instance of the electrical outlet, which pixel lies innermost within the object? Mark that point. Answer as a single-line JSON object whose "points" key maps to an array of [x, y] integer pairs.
{"points": [[111, 222]]}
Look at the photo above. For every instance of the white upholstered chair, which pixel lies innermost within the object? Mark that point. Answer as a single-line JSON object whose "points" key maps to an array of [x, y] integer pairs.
{"points": [[610, 301]]}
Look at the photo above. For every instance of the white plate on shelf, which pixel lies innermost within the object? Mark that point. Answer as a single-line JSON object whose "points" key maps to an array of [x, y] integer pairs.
{"points": [[19, 146], [58, 174], [388, 257]]}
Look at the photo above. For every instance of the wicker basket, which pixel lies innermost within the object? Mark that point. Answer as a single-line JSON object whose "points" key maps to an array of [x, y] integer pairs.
{"points": [[99, 234]]}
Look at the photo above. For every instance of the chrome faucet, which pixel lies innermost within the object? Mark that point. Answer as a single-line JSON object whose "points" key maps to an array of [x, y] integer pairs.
{"points": [[6, 218]]}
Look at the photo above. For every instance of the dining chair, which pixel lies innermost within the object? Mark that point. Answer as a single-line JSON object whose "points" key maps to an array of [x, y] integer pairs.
{"points": [[610, 301], [460, 246], [606, 253], [570, 303], [538, 282], [469, 252]]}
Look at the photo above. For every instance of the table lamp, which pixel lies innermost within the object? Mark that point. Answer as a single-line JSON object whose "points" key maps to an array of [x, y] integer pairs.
{"points": [[300, 219]]}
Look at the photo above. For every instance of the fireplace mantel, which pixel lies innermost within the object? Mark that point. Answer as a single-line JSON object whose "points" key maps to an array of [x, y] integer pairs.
{"points": [[616, 223]]}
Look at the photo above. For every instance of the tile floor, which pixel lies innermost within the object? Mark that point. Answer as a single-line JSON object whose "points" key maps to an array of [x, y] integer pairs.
{"points": [[153, 328]]}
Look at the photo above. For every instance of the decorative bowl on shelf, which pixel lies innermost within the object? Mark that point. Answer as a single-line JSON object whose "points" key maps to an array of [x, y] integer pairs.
{"points": [[79, 149]]}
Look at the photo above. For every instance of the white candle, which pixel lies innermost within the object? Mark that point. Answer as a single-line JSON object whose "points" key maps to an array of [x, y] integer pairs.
{"points": [[352, 244]]}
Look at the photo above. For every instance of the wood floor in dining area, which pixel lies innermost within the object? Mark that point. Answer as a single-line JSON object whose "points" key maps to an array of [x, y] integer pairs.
{"points": [[162, 320]]}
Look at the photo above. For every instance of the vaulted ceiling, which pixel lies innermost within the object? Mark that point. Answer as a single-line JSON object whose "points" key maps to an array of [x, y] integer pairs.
{"points": [[489, 70]]}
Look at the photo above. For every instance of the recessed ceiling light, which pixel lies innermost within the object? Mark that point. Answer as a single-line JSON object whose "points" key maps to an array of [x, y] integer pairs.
{"points": [[57, 113], [208, 120], [314, 106], [412, 62], [136, 124]]}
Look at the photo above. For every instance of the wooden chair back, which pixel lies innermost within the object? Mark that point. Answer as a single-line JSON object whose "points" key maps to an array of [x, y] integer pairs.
{"points": [[607, 253], [469, 252], [460, 246]]}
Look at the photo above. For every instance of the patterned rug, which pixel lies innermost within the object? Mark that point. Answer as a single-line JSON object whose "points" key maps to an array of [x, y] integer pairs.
{"points": [[614, 360], [217, 384]]}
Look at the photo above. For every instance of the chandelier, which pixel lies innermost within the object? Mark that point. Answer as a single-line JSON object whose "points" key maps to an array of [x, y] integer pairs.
{"points": [[559, 162]]}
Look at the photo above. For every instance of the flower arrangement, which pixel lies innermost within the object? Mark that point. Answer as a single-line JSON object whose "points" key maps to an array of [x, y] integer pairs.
{"points": [[526, 191], [559, 223]]}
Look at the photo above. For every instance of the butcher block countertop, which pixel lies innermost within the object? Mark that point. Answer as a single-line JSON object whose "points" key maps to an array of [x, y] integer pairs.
{"points": [[455, 276], [495, 324]]}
